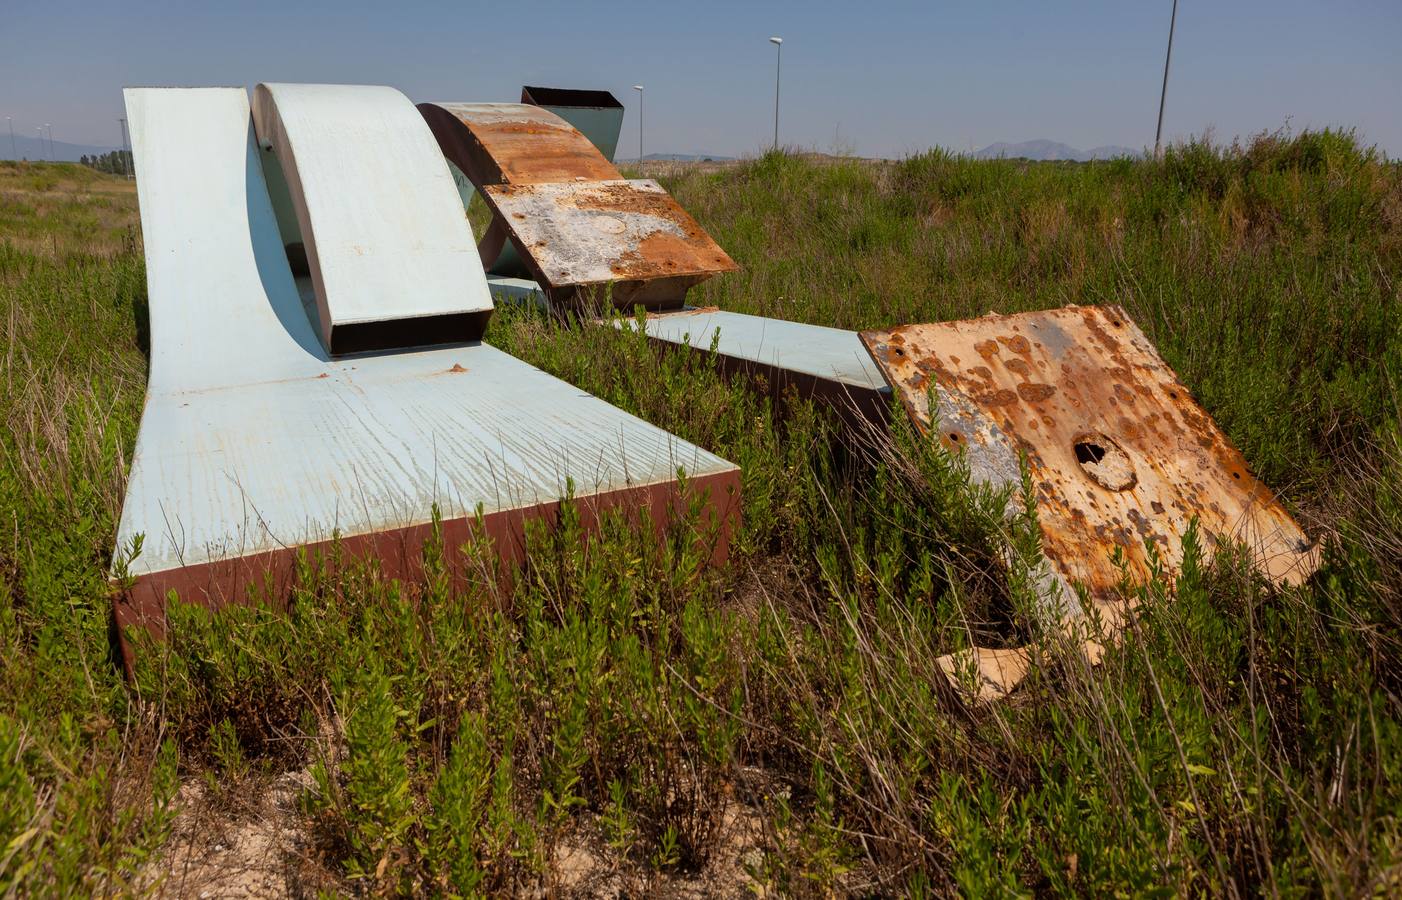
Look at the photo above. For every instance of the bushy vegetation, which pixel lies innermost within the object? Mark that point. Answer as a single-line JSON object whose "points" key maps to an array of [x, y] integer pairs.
{"points": [[623, 698]]}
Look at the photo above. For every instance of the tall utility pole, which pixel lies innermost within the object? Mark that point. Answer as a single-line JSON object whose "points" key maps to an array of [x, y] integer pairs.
{"points": [[639, 89], [43, 151], [778, 43], [14, 147], [1163, 95], [126, 150], [50, 138]]}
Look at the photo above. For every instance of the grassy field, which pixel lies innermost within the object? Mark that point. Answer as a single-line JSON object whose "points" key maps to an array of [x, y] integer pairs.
{"points": [[625, 720]]}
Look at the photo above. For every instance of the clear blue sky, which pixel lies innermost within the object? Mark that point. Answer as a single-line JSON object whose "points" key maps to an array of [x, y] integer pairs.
{"points": [[878, 79]]}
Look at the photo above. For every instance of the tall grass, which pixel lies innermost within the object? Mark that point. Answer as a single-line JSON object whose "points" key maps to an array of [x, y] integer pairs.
{"points": [[623, 698]]}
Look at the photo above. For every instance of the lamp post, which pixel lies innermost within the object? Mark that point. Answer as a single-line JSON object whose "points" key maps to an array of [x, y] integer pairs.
{"points": [[42, 153], [14, 147], [778, 43], [53, 156], [1163, 95], [639, 89]]}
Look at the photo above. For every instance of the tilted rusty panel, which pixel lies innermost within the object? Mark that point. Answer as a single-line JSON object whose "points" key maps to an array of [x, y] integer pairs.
{"points": [[1118, 450], [605, 231], [514, 143]]}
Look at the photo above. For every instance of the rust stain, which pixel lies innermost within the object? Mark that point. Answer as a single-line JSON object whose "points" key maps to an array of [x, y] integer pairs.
{"points": [[1120, 453], [622, 231], [568, 209]]}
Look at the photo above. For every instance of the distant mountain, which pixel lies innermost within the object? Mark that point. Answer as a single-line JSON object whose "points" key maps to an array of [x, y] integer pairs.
{"points": [[1052, 150], [32, 149]]}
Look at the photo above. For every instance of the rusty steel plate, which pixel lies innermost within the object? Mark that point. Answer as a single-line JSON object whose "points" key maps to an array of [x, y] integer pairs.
{"points": [[1120, 453], [586, 233], [514, 143]]}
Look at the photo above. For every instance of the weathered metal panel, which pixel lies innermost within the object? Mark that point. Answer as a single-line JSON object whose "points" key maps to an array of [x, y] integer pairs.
{"points": [[514, 143], [573, 220], [594, 232], [254, 439], [597, 114], [832, 354], [1119, 452], [396, 248], [828, 365]]}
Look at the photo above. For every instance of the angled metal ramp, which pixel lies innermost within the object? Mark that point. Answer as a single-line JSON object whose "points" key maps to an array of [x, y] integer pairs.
{"points": [[580, 229], [1121, 458], [255, 439], [829, 365]]}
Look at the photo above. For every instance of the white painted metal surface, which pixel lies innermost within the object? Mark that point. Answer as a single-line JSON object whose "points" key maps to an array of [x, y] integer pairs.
{"points": [[253, 438], [831, 354], [516, 291], [397, 245]]}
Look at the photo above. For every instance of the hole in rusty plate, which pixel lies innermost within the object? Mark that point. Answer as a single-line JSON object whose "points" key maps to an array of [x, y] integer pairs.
{"points": [[1105, 463], [1088, 452], [954, 436], [900, 352]]}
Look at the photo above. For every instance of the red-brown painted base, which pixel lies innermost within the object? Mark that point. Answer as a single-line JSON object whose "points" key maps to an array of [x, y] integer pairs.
{"points": [[399, 551]]}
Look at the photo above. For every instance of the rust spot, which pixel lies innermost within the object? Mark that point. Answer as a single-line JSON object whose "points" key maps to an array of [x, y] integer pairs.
{"points": [[1019, 366], [457, 367], [1017, 344], [1035, 393], [998, 398]]}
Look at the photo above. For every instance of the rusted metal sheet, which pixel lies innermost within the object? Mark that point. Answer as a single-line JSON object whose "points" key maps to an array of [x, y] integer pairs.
{"points": [[597, 114], [628, 233], [575, 223], [255, 440], [1120, 454], [514, 143]]}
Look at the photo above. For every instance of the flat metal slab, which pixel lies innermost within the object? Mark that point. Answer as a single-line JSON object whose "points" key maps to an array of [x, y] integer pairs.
{"points": [[254, 440], [1118, 450], [587, 233], [393, 260], [832, 354], [828, 365]]}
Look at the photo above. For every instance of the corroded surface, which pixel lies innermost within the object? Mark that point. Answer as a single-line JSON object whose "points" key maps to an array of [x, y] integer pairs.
{"points": [[516, 143], [574, 221], [1120, 453], [580, 233]]}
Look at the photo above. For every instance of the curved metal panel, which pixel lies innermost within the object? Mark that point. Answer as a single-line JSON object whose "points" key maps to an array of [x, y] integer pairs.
{"points": [[392, 260]]}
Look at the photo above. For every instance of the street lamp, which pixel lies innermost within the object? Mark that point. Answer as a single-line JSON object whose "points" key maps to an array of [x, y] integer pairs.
{"points": [[778, 43], [639, 89], [14, 148], [40, 129], [1163, 95], [53, 157]]}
